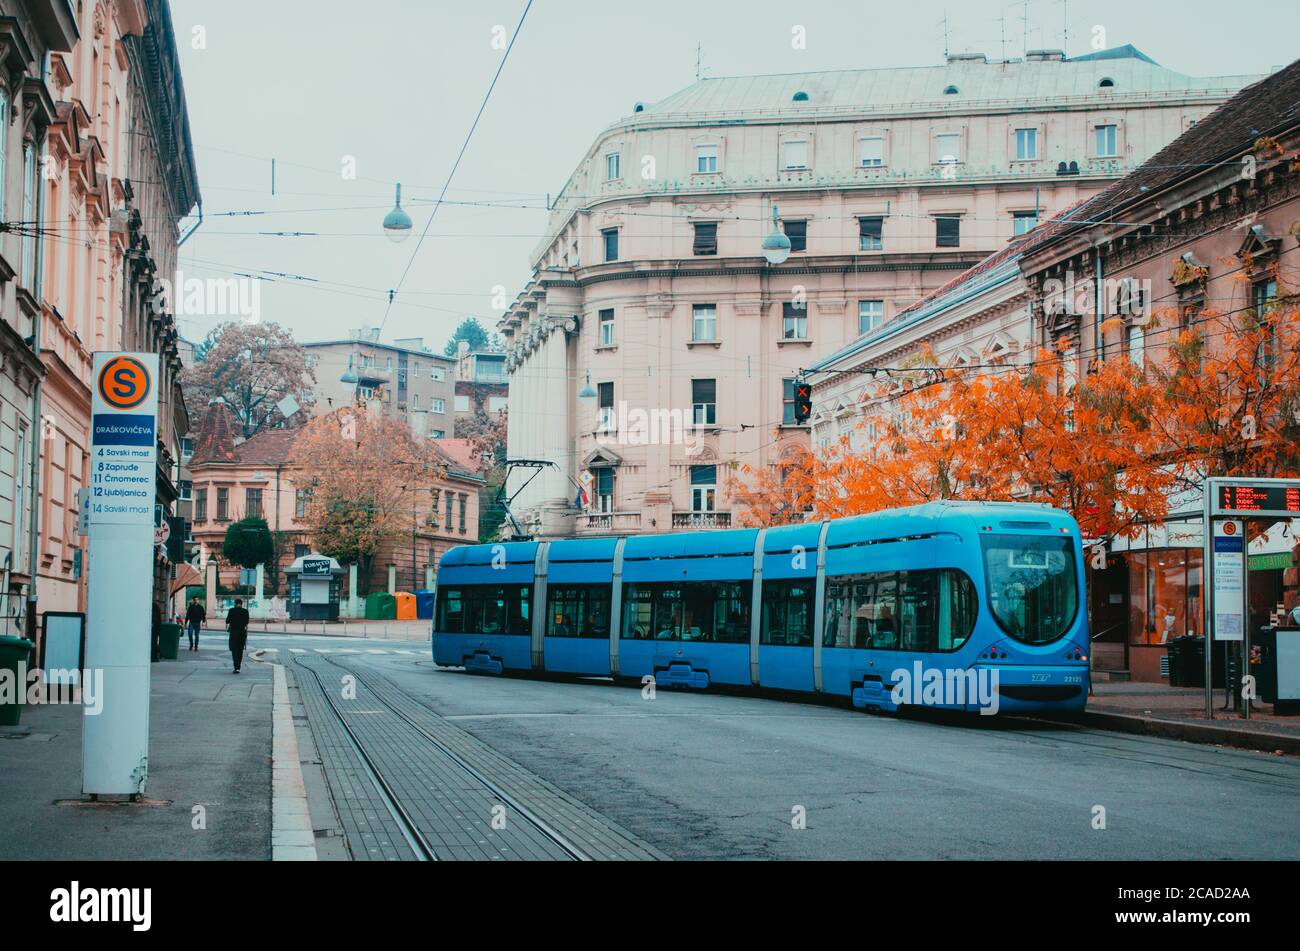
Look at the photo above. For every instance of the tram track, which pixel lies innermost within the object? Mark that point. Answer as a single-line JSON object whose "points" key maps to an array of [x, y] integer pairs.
{"points": [[513, 803], [438, 788], [410, 829]]}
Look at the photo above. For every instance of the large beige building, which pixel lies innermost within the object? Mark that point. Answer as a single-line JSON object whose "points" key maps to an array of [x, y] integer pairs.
{"points": [[653, 352]]}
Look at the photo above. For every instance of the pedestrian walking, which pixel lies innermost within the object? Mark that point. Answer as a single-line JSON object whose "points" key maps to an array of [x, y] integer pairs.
{"points": [[237, 623], [155, 634], [195, 616]]}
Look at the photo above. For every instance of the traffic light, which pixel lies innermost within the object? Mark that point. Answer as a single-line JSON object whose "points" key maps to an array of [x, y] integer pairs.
{"points": [[802, 401]]}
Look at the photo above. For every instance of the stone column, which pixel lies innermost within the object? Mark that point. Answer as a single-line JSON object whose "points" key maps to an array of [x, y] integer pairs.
{"points": [[354, 601], [392, 579]]}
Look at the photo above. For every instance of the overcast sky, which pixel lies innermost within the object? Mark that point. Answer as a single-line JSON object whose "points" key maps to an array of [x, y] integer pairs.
{"points": [[394, 84]]}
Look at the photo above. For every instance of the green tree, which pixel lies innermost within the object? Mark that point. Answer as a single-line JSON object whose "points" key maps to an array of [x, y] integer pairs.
{"points": [[248, 543], [473, 333]]}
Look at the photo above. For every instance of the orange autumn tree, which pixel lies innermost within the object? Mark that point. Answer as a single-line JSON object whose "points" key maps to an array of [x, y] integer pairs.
{"points": [[1012, 434], [367, 474], [1228, 393]]}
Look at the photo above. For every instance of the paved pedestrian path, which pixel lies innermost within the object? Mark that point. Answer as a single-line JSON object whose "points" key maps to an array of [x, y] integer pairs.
{"points": [[208, 795], [1179, 712]]}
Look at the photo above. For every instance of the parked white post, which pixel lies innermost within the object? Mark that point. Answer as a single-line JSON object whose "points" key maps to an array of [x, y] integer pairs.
{"points": [[354, 602], [261, 585], [123, 467]]}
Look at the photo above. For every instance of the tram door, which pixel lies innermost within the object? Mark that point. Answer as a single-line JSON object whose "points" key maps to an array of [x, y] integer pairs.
{"points": [[785, 642]]}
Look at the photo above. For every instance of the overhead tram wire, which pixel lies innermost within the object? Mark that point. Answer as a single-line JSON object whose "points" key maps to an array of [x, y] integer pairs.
{"points": [[505, 57]]}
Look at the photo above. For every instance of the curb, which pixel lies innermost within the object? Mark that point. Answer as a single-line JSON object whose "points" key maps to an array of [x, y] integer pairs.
{"points": [[292, 837], [1190, 732]]}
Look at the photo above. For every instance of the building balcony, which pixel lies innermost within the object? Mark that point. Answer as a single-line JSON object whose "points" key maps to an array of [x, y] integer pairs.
{"points": [[616, 522], [701, 520]]}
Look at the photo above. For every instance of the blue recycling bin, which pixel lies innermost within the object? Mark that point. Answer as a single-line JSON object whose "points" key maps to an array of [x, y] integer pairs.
{"points": [[424, 605]]}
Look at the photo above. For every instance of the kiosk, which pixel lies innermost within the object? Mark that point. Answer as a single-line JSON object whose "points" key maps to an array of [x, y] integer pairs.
{"points": [[315, 584]]}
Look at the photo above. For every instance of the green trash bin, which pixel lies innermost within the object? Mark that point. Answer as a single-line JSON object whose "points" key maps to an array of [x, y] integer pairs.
{"points": [[169, 641], [14, 651], [381, 606]]}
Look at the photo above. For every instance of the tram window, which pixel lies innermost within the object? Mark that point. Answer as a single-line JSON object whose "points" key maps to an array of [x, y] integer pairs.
{"points": [[787, 613], [485, 609], [580, 610], [1033, 586], [716, 612], [920, 611]]}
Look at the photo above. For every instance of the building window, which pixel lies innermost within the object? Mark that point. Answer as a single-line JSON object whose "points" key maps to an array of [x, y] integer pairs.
{"points": [[301, 503], [301, 551], [1026, 145], [438, 406], [464, 504], [947, 233], [704, 488], [604, 490], [461, 403], [252, 503], [794, 321], [498, 404], [415, 401], [1265, 294], [704, 325], [437, 374], [1137, 341], [439, 434], [610, 237], [187, 490], [607, 420], [704, 402], [607, 328], [1107, 141], [948, 147], [4, 146], [223, 504], [29, 215], [795, 154], [706, 238], [706, 159], [613, 167], [797, 232], [187, 449], [871, 152], [871, 314], [787, 403], [871, 234], [451, 502], [200, 505], [1023, 222], [20, 494]]}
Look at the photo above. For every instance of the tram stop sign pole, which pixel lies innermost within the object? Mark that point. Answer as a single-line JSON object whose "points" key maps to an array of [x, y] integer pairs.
{"points": [[123, 476], [1229, 503]]}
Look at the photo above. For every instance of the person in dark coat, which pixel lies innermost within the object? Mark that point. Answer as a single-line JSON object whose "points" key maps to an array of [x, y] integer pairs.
{"points": [[237, 623], [195, 616]]}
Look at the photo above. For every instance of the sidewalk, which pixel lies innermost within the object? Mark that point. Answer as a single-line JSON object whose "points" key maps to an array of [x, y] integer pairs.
{"points": [[1179, 713], [209, 747]]}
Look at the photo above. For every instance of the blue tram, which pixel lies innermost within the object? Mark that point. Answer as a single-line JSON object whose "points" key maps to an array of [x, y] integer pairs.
{"points": [[969, 606]]}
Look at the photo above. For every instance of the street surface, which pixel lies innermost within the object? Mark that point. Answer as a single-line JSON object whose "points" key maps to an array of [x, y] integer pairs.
{"points": [[731, 776]]}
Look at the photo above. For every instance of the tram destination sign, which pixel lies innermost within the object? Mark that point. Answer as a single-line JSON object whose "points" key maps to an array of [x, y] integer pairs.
{"points": [[1257, 498]]}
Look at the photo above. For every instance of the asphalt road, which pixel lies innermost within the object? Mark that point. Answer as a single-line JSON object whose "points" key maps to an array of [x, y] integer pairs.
{"points": [[703, 775]]}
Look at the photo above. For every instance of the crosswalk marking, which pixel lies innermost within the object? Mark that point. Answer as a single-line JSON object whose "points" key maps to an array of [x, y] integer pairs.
{"points": [[255, 649]]}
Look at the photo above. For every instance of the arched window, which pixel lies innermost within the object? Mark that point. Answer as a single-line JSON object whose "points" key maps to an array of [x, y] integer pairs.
{"points": [[800, 96], [1106, 83], [951, 91]]}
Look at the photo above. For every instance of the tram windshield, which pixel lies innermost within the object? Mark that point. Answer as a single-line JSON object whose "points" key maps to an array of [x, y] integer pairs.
{"points": [[1033, 585]]}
